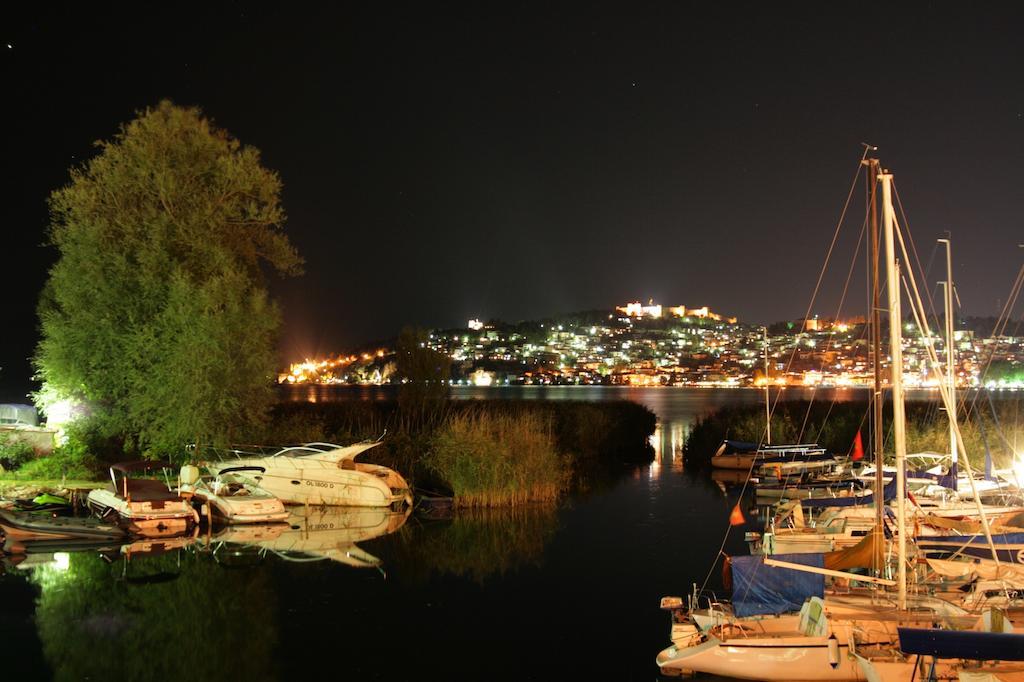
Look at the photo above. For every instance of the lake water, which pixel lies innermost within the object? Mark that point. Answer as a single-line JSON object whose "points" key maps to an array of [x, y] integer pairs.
{"points": [[545, 594]]}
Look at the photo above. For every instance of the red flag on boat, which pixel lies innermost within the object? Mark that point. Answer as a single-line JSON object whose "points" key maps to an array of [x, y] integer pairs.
{"points": [[858, 448], [736, 517]]}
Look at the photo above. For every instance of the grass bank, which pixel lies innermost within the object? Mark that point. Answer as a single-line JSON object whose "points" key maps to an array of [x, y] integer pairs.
{"points": [[485, 452], [995, 427]]}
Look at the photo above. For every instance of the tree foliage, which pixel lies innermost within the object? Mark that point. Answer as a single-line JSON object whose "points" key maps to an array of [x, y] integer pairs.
{"points": [[156, 311], [424, 372]]}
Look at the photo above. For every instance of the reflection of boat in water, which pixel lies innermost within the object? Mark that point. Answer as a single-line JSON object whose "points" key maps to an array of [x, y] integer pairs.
{"points": [[433, 506], [323, 474], [247, 534], [324, 533], [730, 476], [27, 554], [156, 546]]}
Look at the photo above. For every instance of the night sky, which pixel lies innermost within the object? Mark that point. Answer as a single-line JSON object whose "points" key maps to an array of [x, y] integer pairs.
{"points": [[520, 160]]}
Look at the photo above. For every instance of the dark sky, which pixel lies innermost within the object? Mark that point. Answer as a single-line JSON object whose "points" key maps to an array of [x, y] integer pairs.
{"points": [[517, 160]]}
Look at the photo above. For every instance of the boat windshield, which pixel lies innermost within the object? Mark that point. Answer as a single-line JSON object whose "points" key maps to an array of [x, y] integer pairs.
{"points": [[236, 484]]}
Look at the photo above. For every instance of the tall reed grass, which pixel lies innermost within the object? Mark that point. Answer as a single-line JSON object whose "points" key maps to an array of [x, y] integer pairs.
{"points": [[498, 458]]}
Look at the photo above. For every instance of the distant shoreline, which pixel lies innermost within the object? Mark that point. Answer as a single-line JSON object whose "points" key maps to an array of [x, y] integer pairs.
{"points": [[759, 389]]}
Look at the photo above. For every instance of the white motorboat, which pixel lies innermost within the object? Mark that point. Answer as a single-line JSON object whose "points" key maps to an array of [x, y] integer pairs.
{"points": [[142, 505], [232, 495], [323, 474]]}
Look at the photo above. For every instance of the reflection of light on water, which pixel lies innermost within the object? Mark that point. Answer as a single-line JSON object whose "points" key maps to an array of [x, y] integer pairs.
{"points": [[311, 394], [50, 571], [667, 441], [61, 561]]}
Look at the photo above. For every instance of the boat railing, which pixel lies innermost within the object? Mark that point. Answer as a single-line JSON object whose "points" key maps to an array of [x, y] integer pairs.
{"points": [[298, 450], [260, 451], [325, 446], [705, 598], [796, 447]]}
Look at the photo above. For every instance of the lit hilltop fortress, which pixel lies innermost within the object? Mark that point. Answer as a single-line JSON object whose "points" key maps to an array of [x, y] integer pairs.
{"points": [[656, 310]]}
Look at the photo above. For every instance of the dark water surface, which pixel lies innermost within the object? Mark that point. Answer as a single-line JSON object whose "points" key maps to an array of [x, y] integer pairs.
{"points": [[546, 594]]}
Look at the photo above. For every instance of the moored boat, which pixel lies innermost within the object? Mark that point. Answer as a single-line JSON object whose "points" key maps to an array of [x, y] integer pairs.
{"points": [[232, 496], [20, 528], [742, 455], [749, 644], [323, 474], [142, 505]]}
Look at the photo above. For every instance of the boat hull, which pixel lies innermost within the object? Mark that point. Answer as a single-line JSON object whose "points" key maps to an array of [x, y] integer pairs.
{"points": [[20, 527], [171, 518], [305, 480], [231, 510], [762, 659]]}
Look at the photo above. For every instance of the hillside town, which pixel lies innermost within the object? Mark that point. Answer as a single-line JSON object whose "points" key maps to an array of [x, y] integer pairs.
{"points": [[654, 345]]}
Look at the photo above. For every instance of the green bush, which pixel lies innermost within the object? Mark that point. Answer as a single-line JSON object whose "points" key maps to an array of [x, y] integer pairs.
{"points": [[83, 455], [14, 453]]}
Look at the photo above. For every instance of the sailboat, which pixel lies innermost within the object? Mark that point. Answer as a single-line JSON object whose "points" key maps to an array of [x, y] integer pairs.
{"points": [[767, 458], [761, 637]]}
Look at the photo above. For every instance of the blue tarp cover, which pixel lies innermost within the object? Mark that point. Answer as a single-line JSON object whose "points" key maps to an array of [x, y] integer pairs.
{"points": [[759, 589], [946, 480], [732, 446]]}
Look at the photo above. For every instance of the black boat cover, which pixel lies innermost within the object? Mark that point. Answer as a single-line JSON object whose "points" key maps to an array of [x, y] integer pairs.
{"points": [[973, 645]]}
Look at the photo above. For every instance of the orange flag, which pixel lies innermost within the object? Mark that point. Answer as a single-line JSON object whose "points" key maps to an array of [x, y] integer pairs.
{"points": [[736, 517], [858, 448]]}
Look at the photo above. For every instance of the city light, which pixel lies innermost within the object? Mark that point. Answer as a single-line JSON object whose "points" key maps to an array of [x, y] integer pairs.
{"points": [[675, 346]]}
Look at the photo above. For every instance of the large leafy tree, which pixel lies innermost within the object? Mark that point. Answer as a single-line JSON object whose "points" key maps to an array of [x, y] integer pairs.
{"points": [[156, 312]]}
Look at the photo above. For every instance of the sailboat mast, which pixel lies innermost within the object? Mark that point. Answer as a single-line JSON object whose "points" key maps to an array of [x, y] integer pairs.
{"points": [[767, 394], [896, 372], [917, 307], [876, 343], [950, 350]]}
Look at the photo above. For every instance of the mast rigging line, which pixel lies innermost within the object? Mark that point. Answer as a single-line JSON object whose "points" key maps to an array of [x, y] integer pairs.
{"points": [[817, 288], [789, 364], [832, 334], [913, 248], [828, 346], [947, 399], [997, 332]]}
